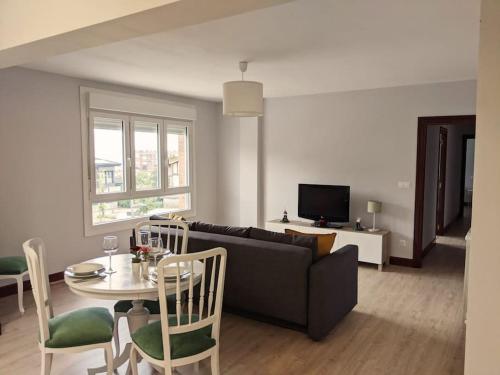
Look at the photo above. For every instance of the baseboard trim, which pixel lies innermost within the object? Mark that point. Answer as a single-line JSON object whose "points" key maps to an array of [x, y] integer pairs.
{"points": [[11, 289], [405, 262], [428, 248]]}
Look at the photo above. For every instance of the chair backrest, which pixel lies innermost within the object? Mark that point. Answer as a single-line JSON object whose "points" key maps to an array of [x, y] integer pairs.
{"points": [[196, 263], [169, 229], [34, 250]]}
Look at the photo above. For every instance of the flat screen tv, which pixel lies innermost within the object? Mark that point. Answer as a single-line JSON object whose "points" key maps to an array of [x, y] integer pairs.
{"points": [[330, 202]]}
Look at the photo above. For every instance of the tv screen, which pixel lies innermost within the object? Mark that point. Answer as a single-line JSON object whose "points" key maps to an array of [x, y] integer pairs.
{"points": [[328, 201]]}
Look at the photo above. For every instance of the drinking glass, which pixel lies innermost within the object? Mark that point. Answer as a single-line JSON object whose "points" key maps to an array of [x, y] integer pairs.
{"points": [[156, 247], [144, 238], [110, 246]]}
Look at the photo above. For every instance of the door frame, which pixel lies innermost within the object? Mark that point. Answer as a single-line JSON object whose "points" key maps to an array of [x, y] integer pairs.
{"points": [[423, 124], [441, 190], [465, 138]]}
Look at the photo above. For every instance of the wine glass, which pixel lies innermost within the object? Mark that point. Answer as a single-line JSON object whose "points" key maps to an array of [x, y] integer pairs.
{"points": [[144, 238], [156, 247], [110, 246]]}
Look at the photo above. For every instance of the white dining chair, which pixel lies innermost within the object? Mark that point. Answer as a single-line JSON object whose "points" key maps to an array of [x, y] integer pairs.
{"points": [[73, 332], [171, 230], [15, 267], [180, 338]]}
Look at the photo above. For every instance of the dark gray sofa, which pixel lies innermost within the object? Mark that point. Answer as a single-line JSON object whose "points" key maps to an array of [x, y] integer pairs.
{"points": [[282, 283]]}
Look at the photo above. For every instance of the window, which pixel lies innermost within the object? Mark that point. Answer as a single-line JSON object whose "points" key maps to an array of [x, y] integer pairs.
{"points": [[177, 146], [139, 166], [109, 155]]}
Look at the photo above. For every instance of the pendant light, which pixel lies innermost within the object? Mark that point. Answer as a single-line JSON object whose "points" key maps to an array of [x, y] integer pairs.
{"points": [[242, 98]]}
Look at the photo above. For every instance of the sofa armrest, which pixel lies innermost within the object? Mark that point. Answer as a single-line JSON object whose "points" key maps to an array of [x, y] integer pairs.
{"points": [[333, 290]]}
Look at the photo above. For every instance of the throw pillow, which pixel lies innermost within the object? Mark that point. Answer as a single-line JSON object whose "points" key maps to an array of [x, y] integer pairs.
{"points": [[325, 240]]}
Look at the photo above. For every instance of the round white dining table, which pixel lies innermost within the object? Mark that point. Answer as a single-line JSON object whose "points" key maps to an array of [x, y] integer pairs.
{"points": [[125, 284]]}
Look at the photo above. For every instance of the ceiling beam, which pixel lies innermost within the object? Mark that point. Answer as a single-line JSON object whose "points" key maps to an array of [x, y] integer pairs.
{"points": [[159, 17]]}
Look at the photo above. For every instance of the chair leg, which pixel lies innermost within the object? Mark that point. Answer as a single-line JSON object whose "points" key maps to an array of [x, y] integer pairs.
{"points": [[116, 335], [133, 360], [20, 294], [214, 362], [46, 363], [196, 367], [108, 351]]}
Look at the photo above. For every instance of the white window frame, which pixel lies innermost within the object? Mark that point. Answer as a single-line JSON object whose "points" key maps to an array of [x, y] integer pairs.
{"points": [[126, 148], [161, 148], [128, 119]]}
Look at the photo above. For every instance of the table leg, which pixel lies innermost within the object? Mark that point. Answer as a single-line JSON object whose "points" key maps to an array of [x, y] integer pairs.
{"points": [[137, 317]]}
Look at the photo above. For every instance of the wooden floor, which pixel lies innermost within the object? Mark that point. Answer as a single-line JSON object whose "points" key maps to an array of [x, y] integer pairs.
{"points": [[408, 321]]}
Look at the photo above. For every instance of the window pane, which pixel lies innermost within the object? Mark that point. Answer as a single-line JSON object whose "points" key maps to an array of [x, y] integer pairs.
{"points": [[135, 208], [109, 155], [177, 147], [146, 145]]}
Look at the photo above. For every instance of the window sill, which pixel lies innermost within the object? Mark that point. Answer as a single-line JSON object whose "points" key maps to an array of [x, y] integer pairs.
{"points": [[124, 225]]}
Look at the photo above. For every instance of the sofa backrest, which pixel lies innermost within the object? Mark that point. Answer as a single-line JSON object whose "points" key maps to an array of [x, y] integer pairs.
{"points": [[220, 229], [302, 241]]}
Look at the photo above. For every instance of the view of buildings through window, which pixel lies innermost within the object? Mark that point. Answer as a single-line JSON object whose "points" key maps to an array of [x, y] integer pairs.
{"points": [[111, 147]]}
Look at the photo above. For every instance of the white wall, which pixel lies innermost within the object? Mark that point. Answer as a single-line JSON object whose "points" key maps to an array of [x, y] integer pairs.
{"points": [[482, 346], [249, 172], [228, 170], [365, 139], [41, 166], [239, 172]]}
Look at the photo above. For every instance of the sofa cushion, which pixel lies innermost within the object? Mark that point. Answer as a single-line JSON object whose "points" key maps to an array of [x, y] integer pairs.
{"points": [[325, 240], [302, 241], [221, 229]]}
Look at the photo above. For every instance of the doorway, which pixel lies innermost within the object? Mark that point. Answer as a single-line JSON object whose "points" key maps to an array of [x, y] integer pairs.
{"points": [[441, 180], [439, 199], [467, 180]]}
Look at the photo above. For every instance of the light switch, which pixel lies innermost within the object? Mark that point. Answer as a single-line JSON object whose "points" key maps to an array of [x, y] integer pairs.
{"points": [[404, 184]]}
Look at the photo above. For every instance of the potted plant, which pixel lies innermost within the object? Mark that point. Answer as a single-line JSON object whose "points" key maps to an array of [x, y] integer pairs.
{"points": [[136, 262]]}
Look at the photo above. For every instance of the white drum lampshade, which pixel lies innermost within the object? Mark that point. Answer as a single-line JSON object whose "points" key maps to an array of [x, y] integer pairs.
{"points": [[374, 207], [242, 98]]}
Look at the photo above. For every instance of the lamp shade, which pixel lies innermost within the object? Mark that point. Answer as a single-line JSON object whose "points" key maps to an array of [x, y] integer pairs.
{"points": [[374, 207], [242, 99]]}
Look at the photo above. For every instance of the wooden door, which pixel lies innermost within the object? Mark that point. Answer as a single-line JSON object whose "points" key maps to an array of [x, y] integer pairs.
{"points": [[441, 181]]}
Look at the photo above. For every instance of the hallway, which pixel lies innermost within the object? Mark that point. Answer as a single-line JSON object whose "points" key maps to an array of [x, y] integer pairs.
{"points": [[455, 234]]}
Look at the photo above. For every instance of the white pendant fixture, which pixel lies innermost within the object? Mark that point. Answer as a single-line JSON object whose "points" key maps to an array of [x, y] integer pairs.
{"points": [[242, 98]]}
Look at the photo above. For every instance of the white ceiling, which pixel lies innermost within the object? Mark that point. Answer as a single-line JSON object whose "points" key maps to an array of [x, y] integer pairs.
{"points": [[302, 47]]}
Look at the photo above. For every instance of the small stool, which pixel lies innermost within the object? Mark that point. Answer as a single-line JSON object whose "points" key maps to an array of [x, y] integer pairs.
{"points": [[14, 268]]}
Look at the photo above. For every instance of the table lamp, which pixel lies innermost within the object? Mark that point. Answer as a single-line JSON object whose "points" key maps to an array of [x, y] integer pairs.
{"points": [[374, 208]]}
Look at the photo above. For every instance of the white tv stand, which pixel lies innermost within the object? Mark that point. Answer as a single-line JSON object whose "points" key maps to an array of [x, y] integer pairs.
{"points": [[373, 247]]}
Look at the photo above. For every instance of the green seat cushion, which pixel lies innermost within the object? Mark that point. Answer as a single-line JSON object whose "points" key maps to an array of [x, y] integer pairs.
{"points": [[13, 265], [153, 306], [149, 339], [93, 325]]}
